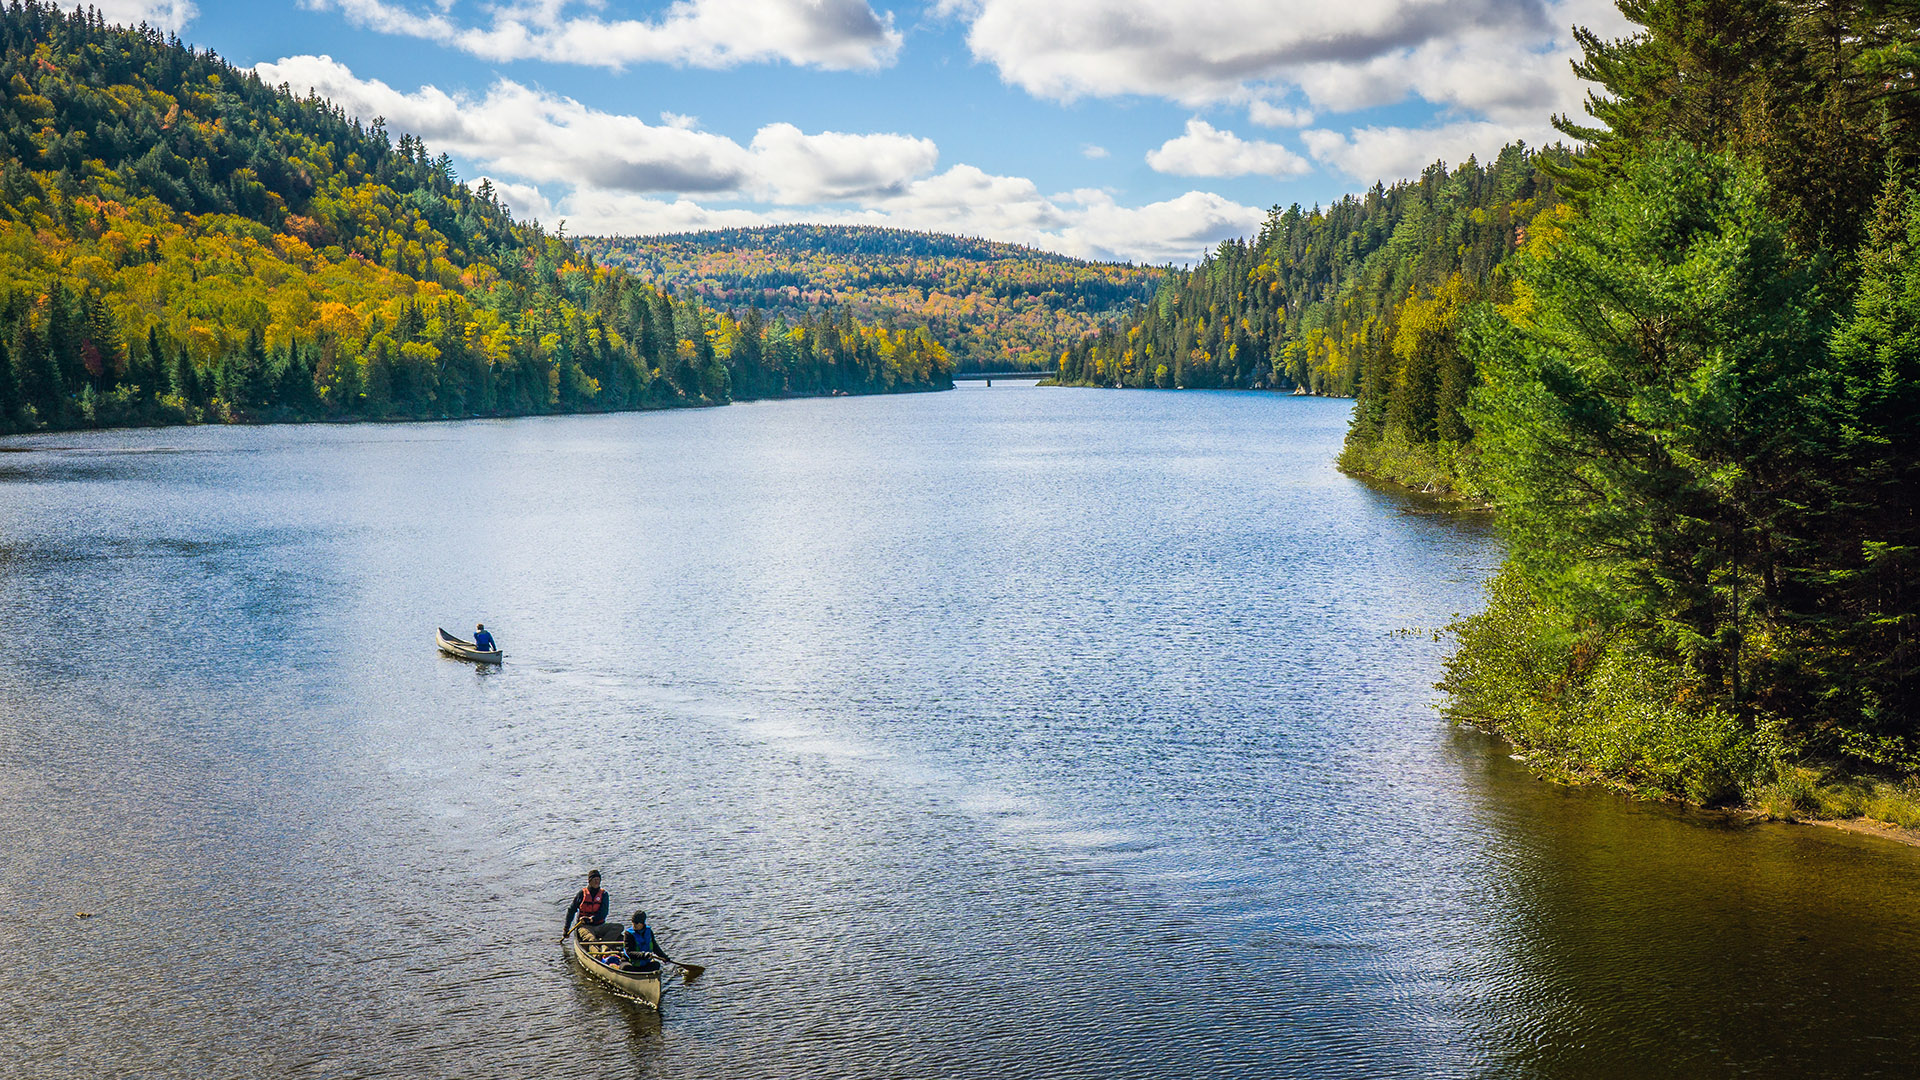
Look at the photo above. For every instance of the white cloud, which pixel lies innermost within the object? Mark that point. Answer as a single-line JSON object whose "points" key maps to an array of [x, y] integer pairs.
{"points": [[1175, 230], [679, 120], [833, 34], [794, 167], [1084, 223], [1373, 153], [546, 138], [168, 15], [1267, 114], [962, 200], [555, 159], [1218, 51], [1093, 152], [590, 212], [1480, 72], [1492, 69], [1207, 151]]}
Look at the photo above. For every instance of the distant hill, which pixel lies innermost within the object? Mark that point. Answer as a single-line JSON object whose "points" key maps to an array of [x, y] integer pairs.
{"points": [[181, 243], [994, 306]]}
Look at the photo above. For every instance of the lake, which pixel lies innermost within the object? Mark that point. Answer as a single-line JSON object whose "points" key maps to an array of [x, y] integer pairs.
{"points": [[1005, 732]]}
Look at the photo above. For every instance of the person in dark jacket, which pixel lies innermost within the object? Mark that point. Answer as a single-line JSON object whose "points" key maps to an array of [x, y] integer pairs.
{"points": [[590, 904], [642, 948], [481, 639]]}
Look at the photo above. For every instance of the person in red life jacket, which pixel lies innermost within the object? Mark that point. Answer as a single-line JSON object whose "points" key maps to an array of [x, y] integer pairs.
{"points": [[589, 904], [643, 951]]}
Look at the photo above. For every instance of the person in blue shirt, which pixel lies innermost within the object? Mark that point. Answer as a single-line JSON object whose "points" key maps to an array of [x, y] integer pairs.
{"points": [[481, 639], [643, 951]]}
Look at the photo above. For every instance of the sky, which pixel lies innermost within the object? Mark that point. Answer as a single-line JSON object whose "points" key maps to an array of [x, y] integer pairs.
{"points": [[1138, 130]]}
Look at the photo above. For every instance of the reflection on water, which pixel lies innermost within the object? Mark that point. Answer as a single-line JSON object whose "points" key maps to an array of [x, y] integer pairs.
{"points": [[1013, 732]]}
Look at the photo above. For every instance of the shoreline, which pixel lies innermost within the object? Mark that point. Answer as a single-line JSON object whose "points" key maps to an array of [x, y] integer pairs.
{"points": [[1857, 826], [1884, 830], [301, 421]]}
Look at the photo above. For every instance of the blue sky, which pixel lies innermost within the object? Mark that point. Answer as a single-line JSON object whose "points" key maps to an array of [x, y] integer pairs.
{"points": [[1133, 129]]}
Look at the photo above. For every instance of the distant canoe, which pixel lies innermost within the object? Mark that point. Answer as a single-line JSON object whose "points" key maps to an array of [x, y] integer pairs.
{"points": [[464, 649], [593, 956]]}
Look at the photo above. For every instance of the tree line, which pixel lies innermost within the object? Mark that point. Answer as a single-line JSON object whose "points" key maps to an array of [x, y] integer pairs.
{"points": [[995, 306], [180, 243], [1682, 364], [1340, 300], [1699, 414]]}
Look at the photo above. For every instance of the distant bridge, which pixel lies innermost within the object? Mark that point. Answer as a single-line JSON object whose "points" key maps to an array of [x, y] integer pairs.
{"points": [[976, 376]]}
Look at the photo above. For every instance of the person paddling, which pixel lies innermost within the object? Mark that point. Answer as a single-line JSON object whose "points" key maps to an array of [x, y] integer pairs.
{"points": [[589, 904], [481, 639], [642, 948]]}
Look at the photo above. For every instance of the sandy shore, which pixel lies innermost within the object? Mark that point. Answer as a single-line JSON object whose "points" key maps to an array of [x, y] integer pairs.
{"points": [[1870, 827]]}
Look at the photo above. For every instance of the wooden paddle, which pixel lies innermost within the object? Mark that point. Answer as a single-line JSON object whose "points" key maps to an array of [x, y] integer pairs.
{"points": [[688, 972]]}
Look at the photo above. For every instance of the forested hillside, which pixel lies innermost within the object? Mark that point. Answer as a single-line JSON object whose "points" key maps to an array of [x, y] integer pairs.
{"points": [[179, 242], [995, 306], [1683, 365], [1362, 297], [1699, 416]]}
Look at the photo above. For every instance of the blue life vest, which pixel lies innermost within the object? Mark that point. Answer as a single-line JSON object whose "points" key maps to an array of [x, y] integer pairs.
{"points": [[639, 945]]}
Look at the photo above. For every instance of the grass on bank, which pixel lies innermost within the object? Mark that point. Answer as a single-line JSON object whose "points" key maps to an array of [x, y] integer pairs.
{"points": [[1444, 470], [1823, 793], [1587, 707]]}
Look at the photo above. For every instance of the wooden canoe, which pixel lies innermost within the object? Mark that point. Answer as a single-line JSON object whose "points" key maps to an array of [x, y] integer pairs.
{"points": [[464, 649], [593, 955]]}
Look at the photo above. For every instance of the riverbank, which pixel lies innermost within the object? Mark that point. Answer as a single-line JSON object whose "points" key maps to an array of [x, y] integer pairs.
{"points": [[1444, 471], [1854, 805], [220, 417]]}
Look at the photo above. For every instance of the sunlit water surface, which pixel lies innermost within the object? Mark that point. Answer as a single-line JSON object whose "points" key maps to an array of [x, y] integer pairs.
{"points": [[997, 733]]}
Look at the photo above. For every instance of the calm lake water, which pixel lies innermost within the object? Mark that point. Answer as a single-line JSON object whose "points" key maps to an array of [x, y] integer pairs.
{"points": [[1005, 733]]}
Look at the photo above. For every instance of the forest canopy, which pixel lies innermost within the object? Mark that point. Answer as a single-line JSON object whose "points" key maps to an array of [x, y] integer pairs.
{"points": [[1681, 362], [180, 242], [994, 306]]}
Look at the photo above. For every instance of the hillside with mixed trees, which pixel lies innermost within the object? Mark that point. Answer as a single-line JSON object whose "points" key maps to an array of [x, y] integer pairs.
{"points": [[1682, 365], [181, 243], [1355, 298], [994, 306]]}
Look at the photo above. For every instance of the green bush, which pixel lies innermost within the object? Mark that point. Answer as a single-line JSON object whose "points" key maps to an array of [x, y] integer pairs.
{"points": [[1586, 703], [1444, 469]]}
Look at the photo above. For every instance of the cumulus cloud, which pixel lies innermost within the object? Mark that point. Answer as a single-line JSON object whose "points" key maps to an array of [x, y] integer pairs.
{"points": [[1086, 223], [1174, 230], [1198, 53], [1094, 152], [833, 34], [1207, 151], [795, 167], [1372, 153], [1490, 67], [963, 200], [1479, 72], [593, 211], [1267, 114], [555, 159], [543, 137], [168, 15]]}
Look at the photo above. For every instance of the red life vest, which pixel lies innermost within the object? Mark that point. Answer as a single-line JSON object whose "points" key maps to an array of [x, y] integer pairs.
{"points": [[593, 908]]}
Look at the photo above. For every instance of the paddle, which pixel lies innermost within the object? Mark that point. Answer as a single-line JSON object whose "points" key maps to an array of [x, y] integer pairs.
{"points": [[688, 972]]}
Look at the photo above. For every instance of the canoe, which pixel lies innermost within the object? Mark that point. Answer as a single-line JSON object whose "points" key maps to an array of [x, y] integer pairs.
{"points": [[593, 955], [464, 649]]}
